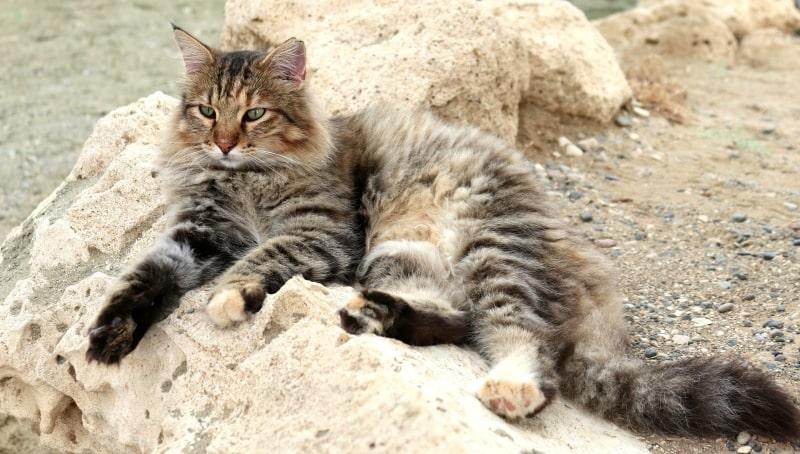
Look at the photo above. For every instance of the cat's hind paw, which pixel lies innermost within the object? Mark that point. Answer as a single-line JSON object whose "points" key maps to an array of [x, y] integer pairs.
{"points": [[370, 312], [514, 397], [234, 302], [110, 342]]}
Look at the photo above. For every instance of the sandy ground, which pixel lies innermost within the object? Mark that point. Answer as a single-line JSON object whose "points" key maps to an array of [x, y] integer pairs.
{"points": [[66, 64]]}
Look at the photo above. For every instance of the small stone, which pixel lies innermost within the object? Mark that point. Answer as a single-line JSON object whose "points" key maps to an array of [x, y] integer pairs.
{"points": [[563, 142], [795, 226], [757, 447], [680, 339], [790, 206], [574, 195], [725, 285], [623, 120], [644, 113], [738, 217], [586, 216], [701, 321], [771, 323], [747, 323], [769, 255], [780, 358], [650, 353], [573, 150], [743, 438], [732, 342], [796, 242], [589, 144], [605, 243], [702, 218], [723, 308], [744, 450], [730, 445], [775, 334]]}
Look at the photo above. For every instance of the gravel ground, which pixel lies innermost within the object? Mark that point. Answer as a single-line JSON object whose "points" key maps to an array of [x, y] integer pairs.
{"points": [[702, 223]]}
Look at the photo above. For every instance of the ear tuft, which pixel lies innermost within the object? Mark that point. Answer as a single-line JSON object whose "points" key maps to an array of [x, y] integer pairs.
{"points": [[196, 55], [288, 61]]}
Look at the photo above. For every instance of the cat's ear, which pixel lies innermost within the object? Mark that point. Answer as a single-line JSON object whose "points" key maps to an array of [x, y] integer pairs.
{"points": [[196, 55], [288, 61]]}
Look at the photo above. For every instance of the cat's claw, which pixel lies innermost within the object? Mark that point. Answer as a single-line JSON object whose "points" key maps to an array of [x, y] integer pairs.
{"points": [[110, 342], [234, 302]]}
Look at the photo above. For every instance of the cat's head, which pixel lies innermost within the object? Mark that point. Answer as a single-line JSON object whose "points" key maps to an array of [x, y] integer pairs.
{"points": [[246, 110]]}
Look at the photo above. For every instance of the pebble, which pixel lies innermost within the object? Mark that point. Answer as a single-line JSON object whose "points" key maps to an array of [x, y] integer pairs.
{"points": [[644, 113], [738, 217], [573, 150], [769, 255], [574, 195], [589, 144], [723, 308], [771, 323], [680, 339], [780, 357], [586, 216], [605, 242], [796, 242], [725, 285], [623, 120], [563, 142], [650, 353], [795, 226], [743, 438], [790, 206], [744, 450], [700, 321]]}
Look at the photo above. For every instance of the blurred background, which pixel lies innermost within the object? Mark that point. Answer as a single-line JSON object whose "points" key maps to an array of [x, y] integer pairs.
{"points": [[68, 63]]}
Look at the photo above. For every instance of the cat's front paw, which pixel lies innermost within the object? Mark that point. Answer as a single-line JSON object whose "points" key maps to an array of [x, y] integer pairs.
{"points": [[371, 312], [110, 341], [233, 301]]}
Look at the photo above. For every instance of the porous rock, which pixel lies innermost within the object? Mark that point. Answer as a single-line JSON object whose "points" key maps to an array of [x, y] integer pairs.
{"points": [[472, 62], [573, 70], [289, 379]]}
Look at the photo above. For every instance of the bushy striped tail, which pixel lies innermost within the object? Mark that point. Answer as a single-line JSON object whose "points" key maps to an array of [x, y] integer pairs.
{"points": [[706, 397]]}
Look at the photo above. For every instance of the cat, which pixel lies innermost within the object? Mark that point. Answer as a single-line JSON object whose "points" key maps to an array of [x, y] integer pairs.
{"points": [[440, 228]]}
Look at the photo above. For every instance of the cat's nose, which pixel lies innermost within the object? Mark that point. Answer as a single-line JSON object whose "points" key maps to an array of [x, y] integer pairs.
{"points": [[225, 145]]}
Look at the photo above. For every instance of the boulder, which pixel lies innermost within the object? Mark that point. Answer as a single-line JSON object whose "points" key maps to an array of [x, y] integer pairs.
{"points": [[573, 70], [290, 379], [467, 61], [770, 48], [449, 57], [745, 16], [671, 29]]}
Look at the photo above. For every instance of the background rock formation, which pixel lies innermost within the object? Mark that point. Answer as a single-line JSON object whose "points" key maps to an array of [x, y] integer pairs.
{"points": [[468, 61]]}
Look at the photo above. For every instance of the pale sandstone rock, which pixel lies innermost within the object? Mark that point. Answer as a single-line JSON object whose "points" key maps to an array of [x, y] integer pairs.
{"points": [[745, 16], [467, 61], [573, 69], [290, 379], [446, 56], [669, 28], [770, 48]]}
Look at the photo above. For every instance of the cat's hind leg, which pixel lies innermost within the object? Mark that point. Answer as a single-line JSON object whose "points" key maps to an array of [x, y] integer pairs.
{"points": [[504, 293], [407, 295]]}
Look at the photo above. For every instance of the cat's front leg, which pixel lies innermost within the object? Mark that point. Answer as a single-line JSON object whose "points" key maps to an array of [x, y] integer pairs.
{"points": [[319, 256], [184, 258]]}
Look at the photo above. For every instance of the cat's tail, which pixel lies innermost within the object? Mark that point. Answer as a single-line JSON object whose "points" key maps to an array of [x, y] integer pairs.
{"points": [[704, 397]]}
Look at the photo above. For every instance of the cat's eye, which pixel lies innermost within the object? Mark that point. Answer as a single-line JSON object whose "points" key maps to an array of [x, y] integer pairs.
{"points": [[208, 111], [254, 114]]}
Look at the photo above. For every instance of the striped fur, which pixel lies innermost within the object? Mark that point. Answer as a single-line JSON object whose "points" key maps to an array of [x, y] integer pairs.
{"points": [[440, 227]]}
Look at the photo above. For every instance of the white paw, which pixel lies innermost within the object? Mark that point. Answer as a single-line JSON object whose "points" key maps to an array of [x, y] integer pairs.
{"points": [[512, 388], [511, 398], [226, 307]]}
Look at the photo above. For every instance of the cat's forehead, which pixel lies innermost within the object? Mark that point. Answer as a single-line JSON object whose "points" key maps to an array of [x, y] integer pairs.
{"points": [[232, 75]]}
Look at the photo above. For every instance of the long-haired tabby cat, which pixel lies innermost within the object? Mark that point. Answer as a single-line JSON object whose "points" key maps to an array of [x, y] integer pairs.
{"points": [[441, 228]]}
